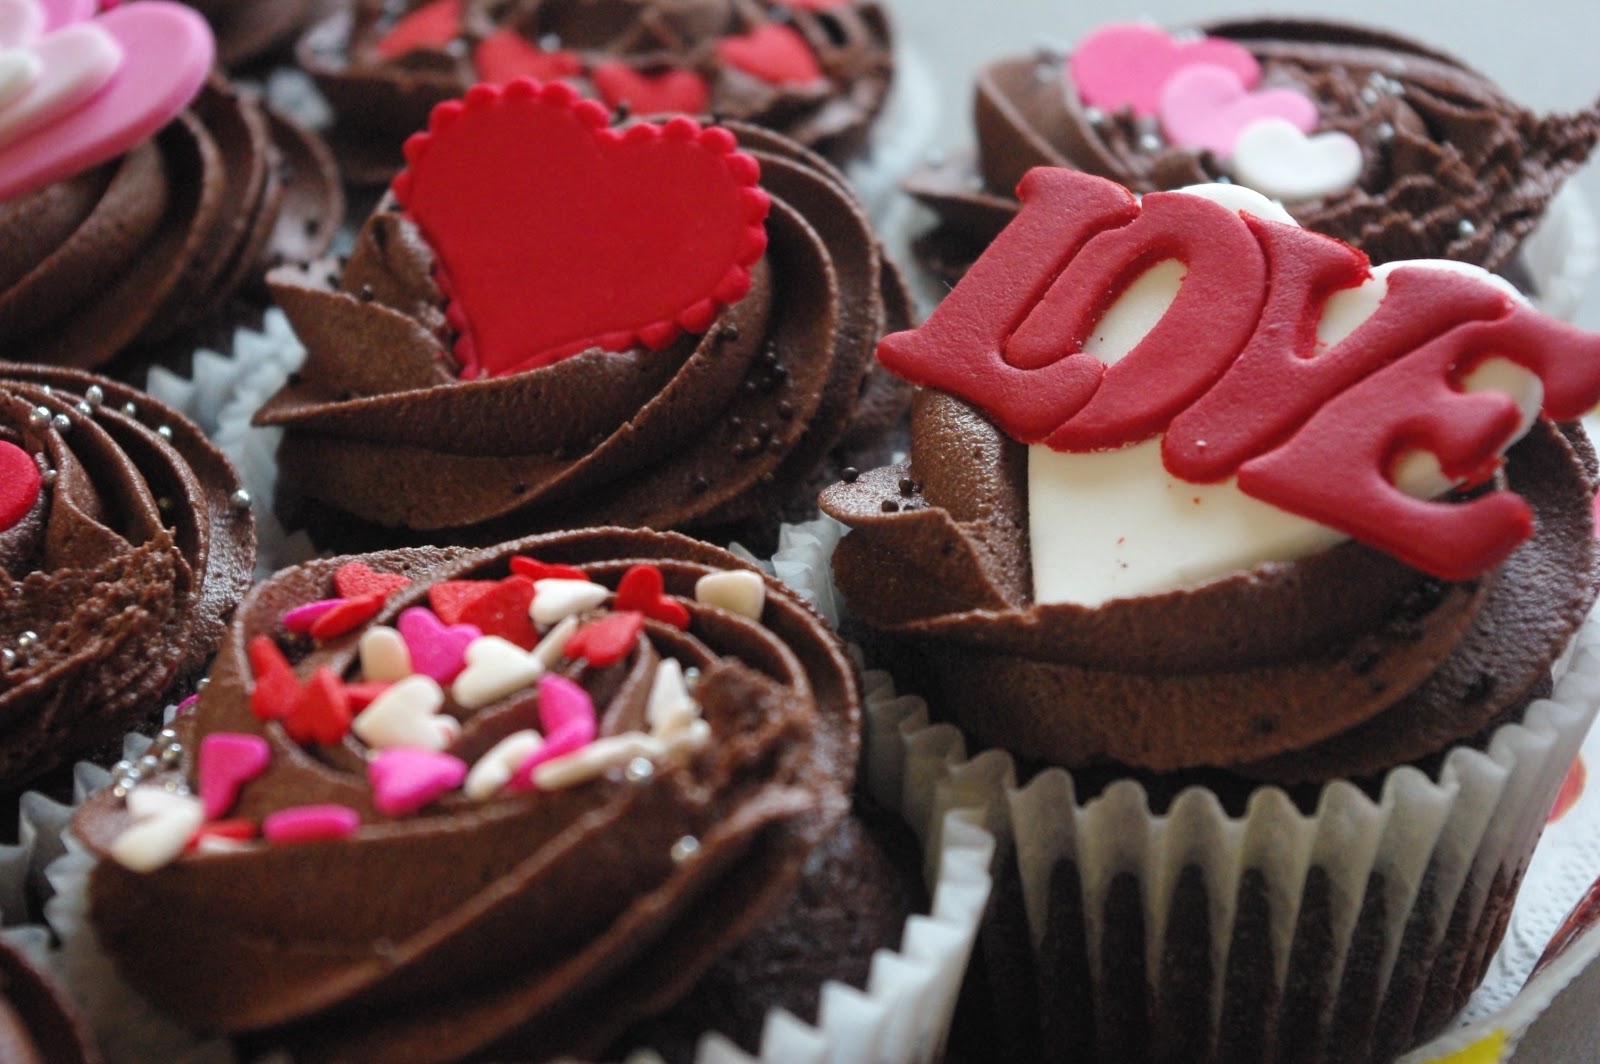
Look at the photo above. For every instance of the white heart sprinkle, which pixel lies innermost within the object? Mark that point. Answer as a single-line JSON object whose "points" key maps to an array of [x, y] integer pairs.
{"points": [[554, 644], [669, 708], [156, 838], [495, 668], [407, 714], [555, 600], [385, 657], [495, 768], [1275, 158], [75, 62], [737, 591], [152, 800], [18, 70], [590, 761]]}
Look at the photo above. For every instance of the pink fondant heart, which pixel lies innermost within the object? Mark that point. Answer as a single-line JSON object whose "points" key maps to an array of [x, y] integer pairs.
{"points": [[167, 52], [19, 69], [507, 54], [674, 90], [229, 760], [438, 650], [299, 619], [19, 484], [404, 780], [566, 713], [556, 233], [1126, 64], [310, 823], [1208, 107], [58, 13], [21, 22], [74, 64], [432, 25], [775, 54]]}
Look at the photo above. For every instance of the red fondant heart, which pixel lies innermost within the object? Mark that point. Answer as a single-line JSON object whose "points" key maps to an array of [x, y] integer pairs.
{"points": [[321, 712], [606, 641], [357, 580], [642, 589], [450, 598], [19, 484], [507, 54], [276, 687], [429, 26], [674, 90], [533, 567], [347, 616], [773, 53], [503, 611], [556, 233]]}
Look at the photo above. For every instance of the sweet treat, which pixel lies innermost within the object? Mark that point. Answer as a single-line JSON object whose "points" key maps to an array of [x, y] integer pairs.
{"points": [[125, 544], [1380, 141], [251, 30], [817, 72], [676, 331], [37, 1025], [137, 194], [1262, 543], [577, 768]]}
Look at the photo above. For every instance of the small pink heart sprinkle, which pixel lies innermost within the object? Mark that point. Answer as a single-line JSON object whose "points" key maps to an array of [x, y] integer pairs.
{"points": [[58, 13], [229, 760], [300, 618], [566, 713], [1126, 64], [310, 823], [404, 780], [1208, 107], [437, 650]]}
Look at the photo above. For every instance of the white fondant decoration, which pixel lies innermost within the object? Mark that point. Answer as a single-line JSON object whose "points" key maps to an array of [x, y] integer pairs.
{"points": [[735, 590], [1115, 524], [385, 657], [556, 599], [163, 824], [669, 708], [1240, 198], [18, 70], [1275, 158], [21, 22], [494, 769], [75, 63], [554, 644], [407, 715], [495, 668]]}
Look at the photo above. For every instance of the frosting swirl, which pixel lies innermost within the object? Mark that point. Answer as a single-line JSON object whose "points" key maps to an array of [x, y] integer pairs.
{"points": [[249, 30], [533, 921], [120, 573]]}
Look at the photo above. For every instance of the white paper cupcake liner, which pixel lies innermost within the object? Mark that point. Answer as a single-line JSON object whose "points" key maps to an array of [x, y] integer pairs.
{"points": [[899, 137], [1561, 255]]}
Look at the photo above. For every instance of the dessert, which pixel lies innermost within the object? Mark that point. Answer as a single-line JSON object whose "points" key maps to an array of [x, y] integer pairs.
{"points": [[1208, 511], [1380, 141], [676, 333], [124, 547], [249, 30], [576, 769], [37, 1026], [137, 204], [816, 72]]}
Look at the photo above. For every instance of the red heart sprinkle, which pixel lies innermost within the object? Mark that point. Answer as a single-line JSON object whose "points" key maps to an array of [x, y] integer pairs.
{"points": [[507, 54], [646, 94], [556, 233], [19, 484], [347, 616], [773, 53], [429, 26], [503, 611], [276, 686], [606, 641], [641, 590], [237, 829], [357, 580], [537, 570], [321, 712], [362, 695], [450, 598]]}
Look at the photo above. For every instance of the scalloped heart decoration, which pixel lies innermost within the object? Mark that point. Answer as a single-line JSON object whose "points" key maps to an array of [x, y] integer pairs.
{"points": [[556, 233], [19, 484]]}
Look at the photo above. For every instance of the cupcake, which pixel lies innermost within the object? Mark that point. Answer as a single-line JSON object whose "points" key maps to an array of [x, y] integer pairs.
{"points": [[125, 545], [581, 770], [248, 31], [1275, 631], [1377, 140], [133, 210], [36, 1022], [816, 72], [675, 332]]}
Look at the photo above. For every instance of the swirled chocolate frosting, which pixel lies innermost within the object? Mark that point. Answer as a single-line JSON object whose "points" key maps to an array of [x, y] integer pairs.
{"points": [[720, 427], [818, 74], [1451, 167], [524, 922], [133, 252], [247, 30], [118, 580]]}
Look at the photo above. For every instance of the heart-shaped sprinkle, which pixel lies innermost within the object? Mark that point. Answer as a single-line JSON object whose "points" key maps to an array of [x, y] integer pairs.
{"points": [[357, 580], [310, 823], [606, 641], [21, 22], [773, 53], [432, 25], [407, 714], [669, 709], [152, 800], [299, 619], [506, 54], [533, 567], [566, 713], [362, 695], [74, 64], [553, 646], [1276, 159], [735, 590], [224, 836], [1207, 106], [347, 616], [683, 219], [1126, 64], [18, 70], [384, 655], [167, 51], [556, 599], [161, 828], [450, 598], [403, 781], [642, 590], [276, 687], [437, 650], [620, 85], [229, 760], [321, 711], [59, 13], [495, 668], [595, 760], [495, 768], [20, 483], [503, 611]]}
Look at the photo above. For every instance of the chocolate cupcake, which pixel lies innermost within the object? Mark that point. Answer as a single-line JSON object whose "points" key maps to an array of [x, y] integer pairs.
{"points": [[1380, 141], [1289, 621], [816, 72], [136, 215], [252, 30], [37, 1025], [124, 546], [678, 336]]}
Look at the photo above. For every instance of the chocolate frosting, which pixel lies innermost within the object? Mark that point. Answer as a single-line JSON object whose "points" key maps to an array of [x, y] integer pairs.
{"points": [[1453, 168], [715, 429], [125, 570], [250, 29], [535, 923], [37, 1025], [385, 100], [1340, 664], [138, 249]]}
